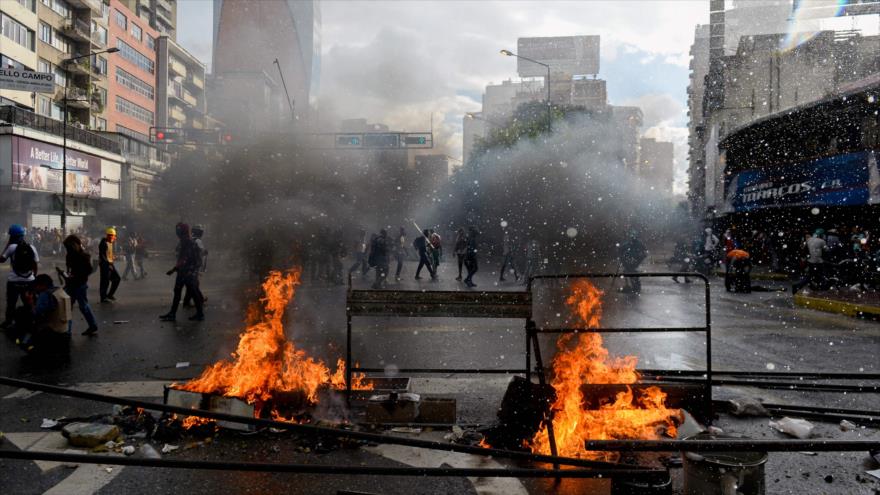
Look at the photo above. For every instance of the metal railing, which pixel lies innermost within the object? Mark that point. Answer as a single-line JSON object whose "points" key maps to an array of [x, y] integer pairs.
{"points": [[26, 118]]}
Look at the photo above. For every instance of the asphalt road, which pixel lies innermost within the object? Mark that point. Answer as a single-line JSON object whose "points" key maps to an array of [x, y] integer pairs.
{"points": [[136, 355]]}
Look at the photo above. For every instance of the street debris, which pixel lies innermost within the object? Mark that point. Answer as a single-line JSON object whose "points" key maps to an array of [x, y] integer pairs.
{"points": [[796, 427], [120, 322], [847, 425], [48, 423], [128, 450], [748, 406], [875, 473], [167, 448], [182, 364], [148, 452], [89, 435], [405, 429]]}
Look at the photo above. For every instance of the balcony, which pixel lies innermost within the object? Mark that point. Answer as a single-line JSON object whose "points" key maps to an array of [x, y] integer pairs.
{"points": [[177, 67], [80, 66], [77, 29], [26, 118], [195, 81], [165, 5], [97, 41], [93, 5], [190, 99]]}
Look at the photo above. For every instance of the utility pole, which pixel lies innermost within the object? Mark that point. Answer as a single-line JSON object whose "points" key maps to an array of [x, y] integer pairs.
{"points": [[284, 85]]}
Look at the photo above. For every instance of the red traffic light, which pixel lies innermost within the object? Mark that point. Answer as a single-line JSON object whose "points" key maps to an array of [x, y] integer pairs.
{"points": [[227, 138], [160, 135]]}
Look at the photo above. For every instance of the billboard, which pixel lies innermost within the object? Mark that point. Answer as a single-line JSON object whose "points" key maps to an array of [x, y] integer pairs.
{"points": [[573, 55], [36, 166], [840, 180]]}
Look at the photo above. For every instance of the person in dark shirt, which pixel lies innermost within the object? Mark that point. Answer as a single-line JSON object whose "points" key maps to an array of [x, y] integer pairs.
{"points": [[425, 260], [187, 269], [79, 267], [470, 257], [109, 276]]}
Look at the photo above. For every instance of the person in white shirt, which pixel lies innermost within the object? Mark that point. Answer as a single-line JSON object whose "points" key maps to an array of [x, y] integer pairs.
{"points": [[24, 259], [815, 273]]}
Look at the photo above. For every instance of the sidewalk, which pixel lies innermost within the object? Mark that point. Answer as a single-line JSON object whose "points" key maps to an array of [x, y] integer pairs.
{"points": [[846, 302]]}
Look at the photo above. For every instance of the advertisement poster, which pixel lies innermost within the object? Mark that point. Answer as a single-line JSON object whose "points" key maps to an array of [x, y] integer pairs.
{"points": [[36, 166], [840, 180]]}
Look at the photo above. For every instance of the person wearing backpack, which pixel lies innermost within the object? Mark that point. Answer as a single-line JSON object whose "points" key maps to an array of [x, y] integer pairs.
{"points": [[24, 260], [109, 276], [76, 280], [187, 269]]}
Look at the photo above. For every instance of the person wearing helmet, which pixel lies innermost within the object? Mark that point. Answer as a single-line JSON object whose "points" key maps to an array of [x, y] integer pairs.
{"points": [[815, 273], [24, 260], [109, 276], [187, 270]]}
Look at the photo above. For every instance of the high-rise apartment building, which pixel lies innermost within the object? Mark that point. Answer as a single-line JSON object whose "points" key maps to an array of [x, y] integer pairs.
{"points": [[180, 85], [249, 37], [657, 164], [18, 28], [160, 14]]}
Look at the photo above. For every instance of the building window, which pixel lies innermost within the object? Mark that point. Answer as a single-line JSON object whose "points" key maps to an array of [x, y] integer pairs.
{"points": [[45, 33], [60, 42], [9, 63], [135, 56], [28, 4], [134, 110], [101, 124], [121, 20], [151, 42], [99, 65], [133, 83], [99, 32], [49, 108], [105, 11], [17, 32], [136, 31], [60, 7]]}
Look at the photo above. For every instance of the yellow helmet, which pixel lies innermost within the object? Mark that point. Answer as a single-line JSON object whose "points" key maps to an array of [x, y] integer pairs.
{"points": [[110, 231]]}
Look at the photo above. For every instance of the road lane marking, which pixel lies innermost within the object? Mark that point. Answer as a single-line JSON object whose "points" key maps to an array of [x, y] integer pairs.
{"points": [[22, 393], [85, 480]]}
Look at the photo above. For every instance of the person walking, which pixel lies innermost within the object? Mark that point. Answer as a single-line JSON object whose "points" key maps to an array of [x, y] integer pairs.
{"points": [[632, 253], [533, 260], [109, 276], [400, 252], [470, 257], [507, 250], [24, 259], [359, 249], [815, 272], [128, 248], [76, 279], [436, 250], [422, 246], [460, 249], [737, 273], [197, 232], [379, 258], [681, 260], [187, 270]]}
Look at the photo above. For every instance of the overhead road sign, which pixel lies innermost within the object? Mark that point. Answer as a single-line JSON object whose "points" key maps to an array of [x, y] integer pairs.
{"points": [[27, 80]]}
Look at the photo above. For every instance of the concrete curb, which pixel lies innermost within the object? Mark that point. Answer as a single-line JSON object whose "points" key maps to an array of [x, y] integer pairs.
{"points": [[771, 276], [836, 306]]}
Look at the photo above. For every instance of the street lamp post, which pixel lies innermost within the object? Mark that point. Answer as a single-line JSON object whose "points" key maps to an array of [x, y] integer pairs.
{"points": [[474, 116], [64, 139], [549, 109]]}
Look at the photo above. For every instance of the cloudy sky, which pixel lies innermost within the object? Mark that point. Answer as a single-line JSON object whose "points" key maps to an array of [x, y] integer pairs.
{"points": [[397, 62]]}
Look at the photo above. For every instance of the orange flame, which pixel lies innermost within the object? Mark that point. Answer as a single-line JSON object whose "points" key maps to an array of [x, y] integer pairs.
{"points": [[265, 361], [588, 361]]}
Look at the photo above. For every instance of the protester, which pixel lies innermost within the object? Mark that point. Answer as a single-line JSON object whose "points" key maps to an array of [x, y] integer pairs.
{"points": [[470, 257], [632, 253], [79, 267], [140, 254], [187, 269], [44, 322], [197, 232], [379, 258], [533, 260], [814, 275], [681, 260], [460, 249], [359, 248], [422, 246], [109, 276], [737, 273], [507, 253], [24, 259], [436, 250], [129, 245], [400, 252]]}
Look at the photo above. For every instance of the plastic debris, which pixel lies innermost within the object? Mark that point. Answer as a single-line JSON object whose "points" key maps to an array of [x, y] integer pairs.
{"points": [[182, 364], [169, 448], [847, 425], [715, 430], [128, 450], [748, 406], [48, 423], [796, 427], [147, 451]]}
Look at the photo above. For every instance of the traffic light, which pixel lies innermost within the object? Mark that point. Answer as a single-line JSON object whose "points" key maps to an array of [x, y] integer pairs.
{"points": [[226, 138], [167, 135]]}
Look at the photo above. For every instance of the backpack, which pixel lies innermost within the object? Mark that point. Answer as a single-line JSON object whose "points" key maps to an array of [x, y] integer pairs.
{"points": [[23, 260]]}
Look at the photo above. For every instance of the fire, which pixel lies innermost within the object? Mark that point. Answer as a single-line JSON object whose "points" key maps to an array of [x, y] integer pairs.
{"points": [[266, 363], [588, 361]]}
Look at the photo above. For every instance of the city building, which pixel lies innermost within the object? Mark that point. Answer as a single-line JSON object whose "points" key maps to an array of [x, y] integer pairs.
{"points": [[180, 87], [699, 69], [18, 27], [270, 49], [160, 14], [657, 164]]}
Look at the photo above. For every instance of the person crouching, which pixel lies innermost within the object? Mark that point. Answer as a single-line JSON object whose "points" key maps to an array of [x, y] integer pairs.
{"points": [[44, 321]]}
